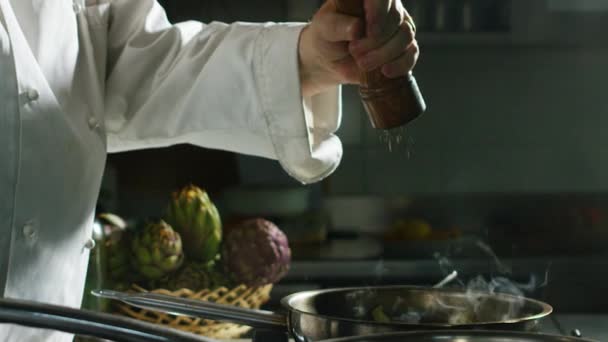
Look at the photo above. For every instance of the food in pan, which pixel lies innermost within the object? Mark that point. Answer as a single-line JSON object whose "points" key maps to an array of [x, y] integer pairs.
{"points": [[453, 317]]}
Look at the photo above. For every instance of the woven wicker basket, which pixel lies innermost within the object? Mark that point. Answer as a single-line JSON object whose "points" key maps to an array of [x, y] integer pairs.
{"points": [[241, 296]]}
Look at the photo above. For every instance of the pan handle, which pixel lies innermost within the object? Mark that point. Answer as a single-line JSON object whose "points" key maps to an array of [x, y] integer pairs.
{"points": [[259, 319], [89, 323]]}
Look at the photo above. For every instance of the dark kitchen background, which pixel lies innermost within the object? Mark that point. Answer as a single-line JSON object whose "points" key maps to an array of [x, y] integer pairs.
{"points": [[506, 175]]}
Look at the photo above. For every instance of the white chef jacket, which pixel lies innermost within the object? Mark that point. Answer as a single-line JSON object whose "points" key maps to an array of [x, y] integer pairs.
{"points": [[80, 79]]}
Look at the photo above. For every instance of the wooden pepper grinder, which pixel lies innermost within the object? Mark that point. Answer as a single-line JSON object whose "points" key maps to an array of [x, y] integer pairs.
{"points": [[389, 102]]}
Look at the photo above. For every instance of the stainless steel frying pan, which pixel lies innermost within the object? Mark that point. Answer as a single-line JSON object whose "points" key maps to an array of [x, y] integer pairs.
{"points": [[127, 330], [462, 336], [326, 314]]}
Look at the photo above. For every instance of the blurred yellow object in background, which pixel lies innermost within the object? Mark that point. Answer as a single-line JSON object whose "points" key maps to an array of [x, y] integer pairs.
{"points": [[411, 229]]}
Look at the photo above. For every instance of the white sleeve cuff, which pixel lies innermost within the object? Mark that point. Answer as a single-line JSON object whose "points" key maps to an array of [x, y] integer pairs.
{"points": [[302, 131]]}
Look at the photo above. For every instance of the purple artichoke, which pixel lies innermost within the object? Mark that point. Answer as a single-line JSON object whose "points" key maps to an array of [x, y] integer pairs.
{"points": [[256, 253]]}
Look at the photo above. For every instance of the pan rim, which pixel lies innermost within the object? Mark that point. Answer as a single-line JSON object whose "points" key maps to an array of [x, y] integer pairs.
{"points": [[546, 309], [474, 333]]}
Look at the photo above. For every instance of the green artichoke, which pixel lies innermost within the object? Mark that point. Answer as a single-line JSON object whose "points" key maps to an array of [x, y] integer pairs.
{"points": [[109, 259], [192, 214], [219, 279], [193, 276], [157, 250], [197, 276], [117, 254]]}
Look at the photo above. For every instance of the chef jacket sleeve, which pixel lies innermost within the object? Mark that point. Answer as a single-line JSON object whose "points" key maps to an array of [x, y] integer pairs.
{"points": [[231, 87]]}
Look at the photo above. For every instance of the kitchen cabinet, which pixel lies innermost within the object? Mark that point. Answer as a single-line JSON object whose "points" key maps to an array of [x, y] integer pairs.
{"points": [[500, 119], [522, 23], [538, 22], [440, 22]]}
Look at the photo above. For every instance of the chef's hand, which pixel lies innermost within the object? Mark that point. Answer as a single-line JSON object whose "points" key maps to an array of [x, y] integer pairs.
{"points": [[334, 47]]}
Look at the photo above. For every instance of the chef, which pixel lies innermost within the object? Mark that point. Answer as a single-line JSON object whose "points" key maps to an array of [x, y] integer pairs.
{"points": [[83, 78]]}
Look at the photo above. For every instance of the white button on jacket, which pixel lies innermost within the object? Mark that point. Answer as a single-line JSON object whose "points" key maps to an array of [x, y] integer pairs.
{"points": [[32, 95], [83, 78]]}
